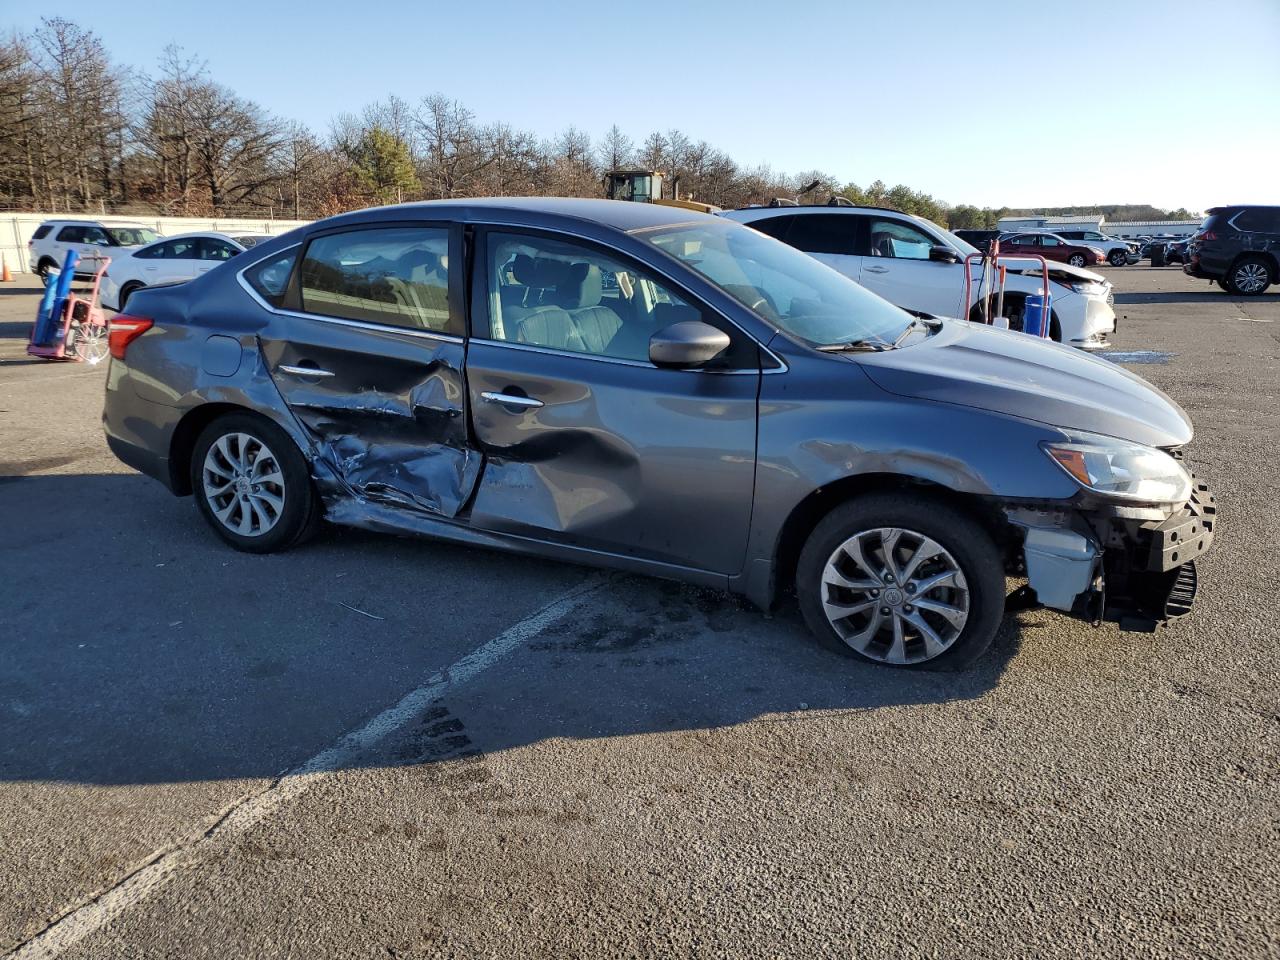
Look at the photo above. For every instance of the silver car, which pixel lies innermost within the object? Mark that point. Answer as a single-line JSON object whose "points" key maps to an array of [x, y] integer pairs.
{"points": [[641, 387]]}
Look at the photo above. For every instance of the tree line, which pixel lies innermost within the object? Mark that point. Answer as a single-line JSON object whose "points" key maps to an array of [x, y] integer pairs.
{"points": [[82, 133]]}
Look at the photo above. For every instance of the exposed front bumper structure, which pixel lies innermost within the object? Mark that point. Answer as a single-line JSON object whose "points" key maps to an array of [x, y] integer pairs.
{"points": [[1136, 573]]}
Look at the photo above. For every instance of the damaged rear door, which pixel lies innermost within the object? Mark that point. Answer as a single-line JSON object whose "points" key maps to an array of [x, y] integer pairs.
{"points": [[368, 354]]}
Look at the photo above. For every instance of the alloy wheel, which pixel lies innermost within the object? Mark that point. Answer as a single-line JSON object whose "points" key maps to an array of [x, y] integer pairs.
{"points": [[1251, 277], [1076, 260], [91, 342], [243, 484], [895, 595]]}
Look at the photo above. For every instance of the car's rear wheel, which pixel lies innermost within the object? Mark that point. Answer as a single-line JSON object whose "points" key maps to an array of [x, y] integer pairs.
{"points": [[902, 579], [1076, 260], [44, 266], [127, 291], [252, 485], [1117, 258], [1249, 276]]}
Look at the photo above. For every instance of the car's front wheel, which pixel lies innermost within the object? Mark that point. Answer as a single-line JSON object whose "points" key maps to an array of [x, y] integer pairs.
{"points": [[1117, 258], [252, 485], [902, 579], [1076, 260], [1249, 277]]}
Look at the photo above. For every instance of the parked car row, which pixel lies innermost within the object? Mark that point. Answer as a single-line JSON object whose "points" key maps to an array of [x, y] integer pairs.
{"points": [[139, 256], [1087, 247]]}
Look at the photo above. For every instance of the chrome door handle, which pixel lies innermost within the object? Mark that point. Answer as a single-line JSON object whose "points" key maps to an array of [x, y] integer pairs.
{"points": [[511, 400], [305, 371], [876, 269]]}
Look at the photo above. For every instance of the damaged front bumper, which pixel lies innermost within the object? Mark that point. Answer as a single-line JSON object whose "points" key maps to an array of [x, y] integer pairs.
{"points": [[1116, 565]]}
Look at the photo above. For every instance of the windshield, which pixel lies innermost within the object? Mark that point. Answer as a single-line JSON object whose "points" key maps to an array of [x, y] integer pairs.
{"points": [[788, 288], [131, 236]]}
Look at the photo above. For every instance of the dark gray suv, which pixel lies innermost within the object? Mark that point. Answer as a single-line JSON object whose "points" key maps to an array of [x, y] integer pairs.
{"points": [[641, 387]]}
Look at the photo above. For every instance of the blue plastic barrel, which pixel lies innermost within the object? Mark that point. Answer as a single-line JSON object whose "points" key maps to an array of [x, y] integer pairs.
{"points": [[1035, 314]]}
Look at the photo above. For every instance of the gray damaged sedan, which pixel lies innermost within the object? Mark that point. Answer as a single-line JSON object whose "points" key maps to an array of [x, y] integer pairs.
{"points": [[639, 387]]}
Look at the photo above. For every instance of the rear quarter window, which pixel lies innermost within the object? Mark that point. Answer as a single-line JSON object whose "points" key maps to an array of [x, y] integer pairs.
{"points": [[270, 278], [1259, 220], [42, 231]]}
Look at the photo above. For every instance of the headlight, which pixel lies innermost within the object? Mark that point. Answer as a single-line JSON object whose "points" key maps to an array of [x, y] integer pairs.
{"points": [[1086, 287], [1117, 468]]}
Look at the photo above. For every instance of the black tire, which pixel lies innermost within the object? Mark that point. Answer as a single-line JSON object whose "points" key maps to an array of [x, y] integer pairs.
{"points": [[1117, 258], [960, 535], [301, 512], [1222, 284], [1247, 273], [127, 291], [44, 266], [1076, 260]]}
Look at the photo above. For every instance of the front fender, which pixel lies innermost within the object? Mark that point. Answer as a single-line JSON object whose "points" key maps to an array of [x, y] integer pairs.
{"points": [[815, 431]]}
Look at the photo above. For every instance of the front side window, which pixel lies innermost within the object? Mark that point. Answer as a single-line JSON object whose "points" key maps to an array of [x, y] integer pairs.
{"points": [[825, 233], [211, 248], [131, 236], [565, 296], [397, 276], [1048, 241], [893, 238], [784, 286], [271, 277], [183, 248]]}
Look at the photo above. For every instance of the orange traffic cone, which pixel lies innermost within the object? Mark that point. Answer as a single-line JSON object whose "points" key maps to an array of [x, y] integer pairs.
{"points": [[5, 275]]}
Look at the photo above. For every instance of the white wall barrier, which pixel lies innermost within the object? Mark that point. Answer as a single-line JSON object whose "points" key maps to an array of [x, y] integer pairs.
{"points": [[16, 229]]}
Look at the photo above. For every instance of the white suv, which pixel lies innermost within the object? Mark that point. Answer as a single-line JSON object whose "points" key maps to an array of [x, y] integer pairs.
{"points": [[92, 239], [918, 265], [1119, 252]]}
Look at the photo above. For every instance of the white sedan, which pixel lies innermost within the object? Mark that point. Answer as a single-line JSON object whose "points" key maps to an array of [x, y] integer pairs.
{"points": [[171, 260], [917, 265]]}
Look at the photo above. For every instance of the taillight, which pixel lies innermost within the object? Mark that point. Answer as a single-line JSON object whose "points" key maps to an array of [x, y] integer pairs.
{"points": [[123, 331], [1207, 235]]}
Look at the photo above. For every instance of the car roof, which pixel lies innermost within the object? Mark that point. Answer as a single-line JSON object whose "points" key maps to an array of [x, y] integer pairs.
{"points": [[623, 215], [761, 212], [196, 233]]}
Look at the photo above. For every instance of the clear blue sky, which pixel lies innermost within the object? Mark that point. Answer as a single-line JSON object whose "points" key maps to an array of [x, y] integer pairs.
{"points": [[1167, 102]]}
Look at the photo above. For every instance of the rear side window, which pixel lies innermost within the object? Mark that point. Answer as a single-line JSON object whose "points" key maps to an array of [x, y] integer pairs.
{"points": [[180, 249], [1258, 220], [775, 227], [397, 276], [271, 277], [71, 235], [42, 231], [824, 233]]}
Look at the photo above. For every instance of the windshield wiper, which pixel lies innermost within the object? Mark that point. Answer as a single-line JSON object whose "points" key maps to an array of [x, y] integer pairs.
{"points": [[932, 323], [869, 344]]}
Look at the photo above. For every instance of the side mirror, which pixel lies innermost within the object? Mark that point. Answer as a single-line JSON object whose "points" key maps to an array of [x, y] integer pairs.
{"points": [[943, 254], [689, 343]]}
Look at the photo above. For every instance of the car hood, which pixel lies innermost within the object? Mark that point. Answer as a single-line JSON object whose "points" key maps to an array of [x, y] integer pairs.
{"points": [[1057, 271], [976, 366]]}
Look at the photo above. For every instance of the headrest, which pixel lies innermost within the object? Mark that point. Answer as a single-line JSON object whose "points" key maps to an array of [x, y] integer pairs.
{"points": [[418, 257], [580, 287], [541, 272]]}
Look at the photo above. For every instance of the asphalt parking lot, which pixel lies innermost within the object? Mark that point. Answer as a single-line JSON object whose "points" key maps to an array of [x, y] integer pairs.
{"points": [[385, 747]]}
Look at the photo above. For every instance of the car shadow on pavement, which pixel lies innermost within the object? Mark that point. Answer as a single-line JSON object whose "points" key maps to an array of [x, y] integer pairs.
{"points": [[139, 649], [1207, 297]]}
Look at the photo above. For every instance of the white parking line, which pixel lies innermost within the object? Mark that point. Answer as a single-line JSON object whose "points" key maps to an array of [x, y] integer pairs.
{"points": [[102, 908]]}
